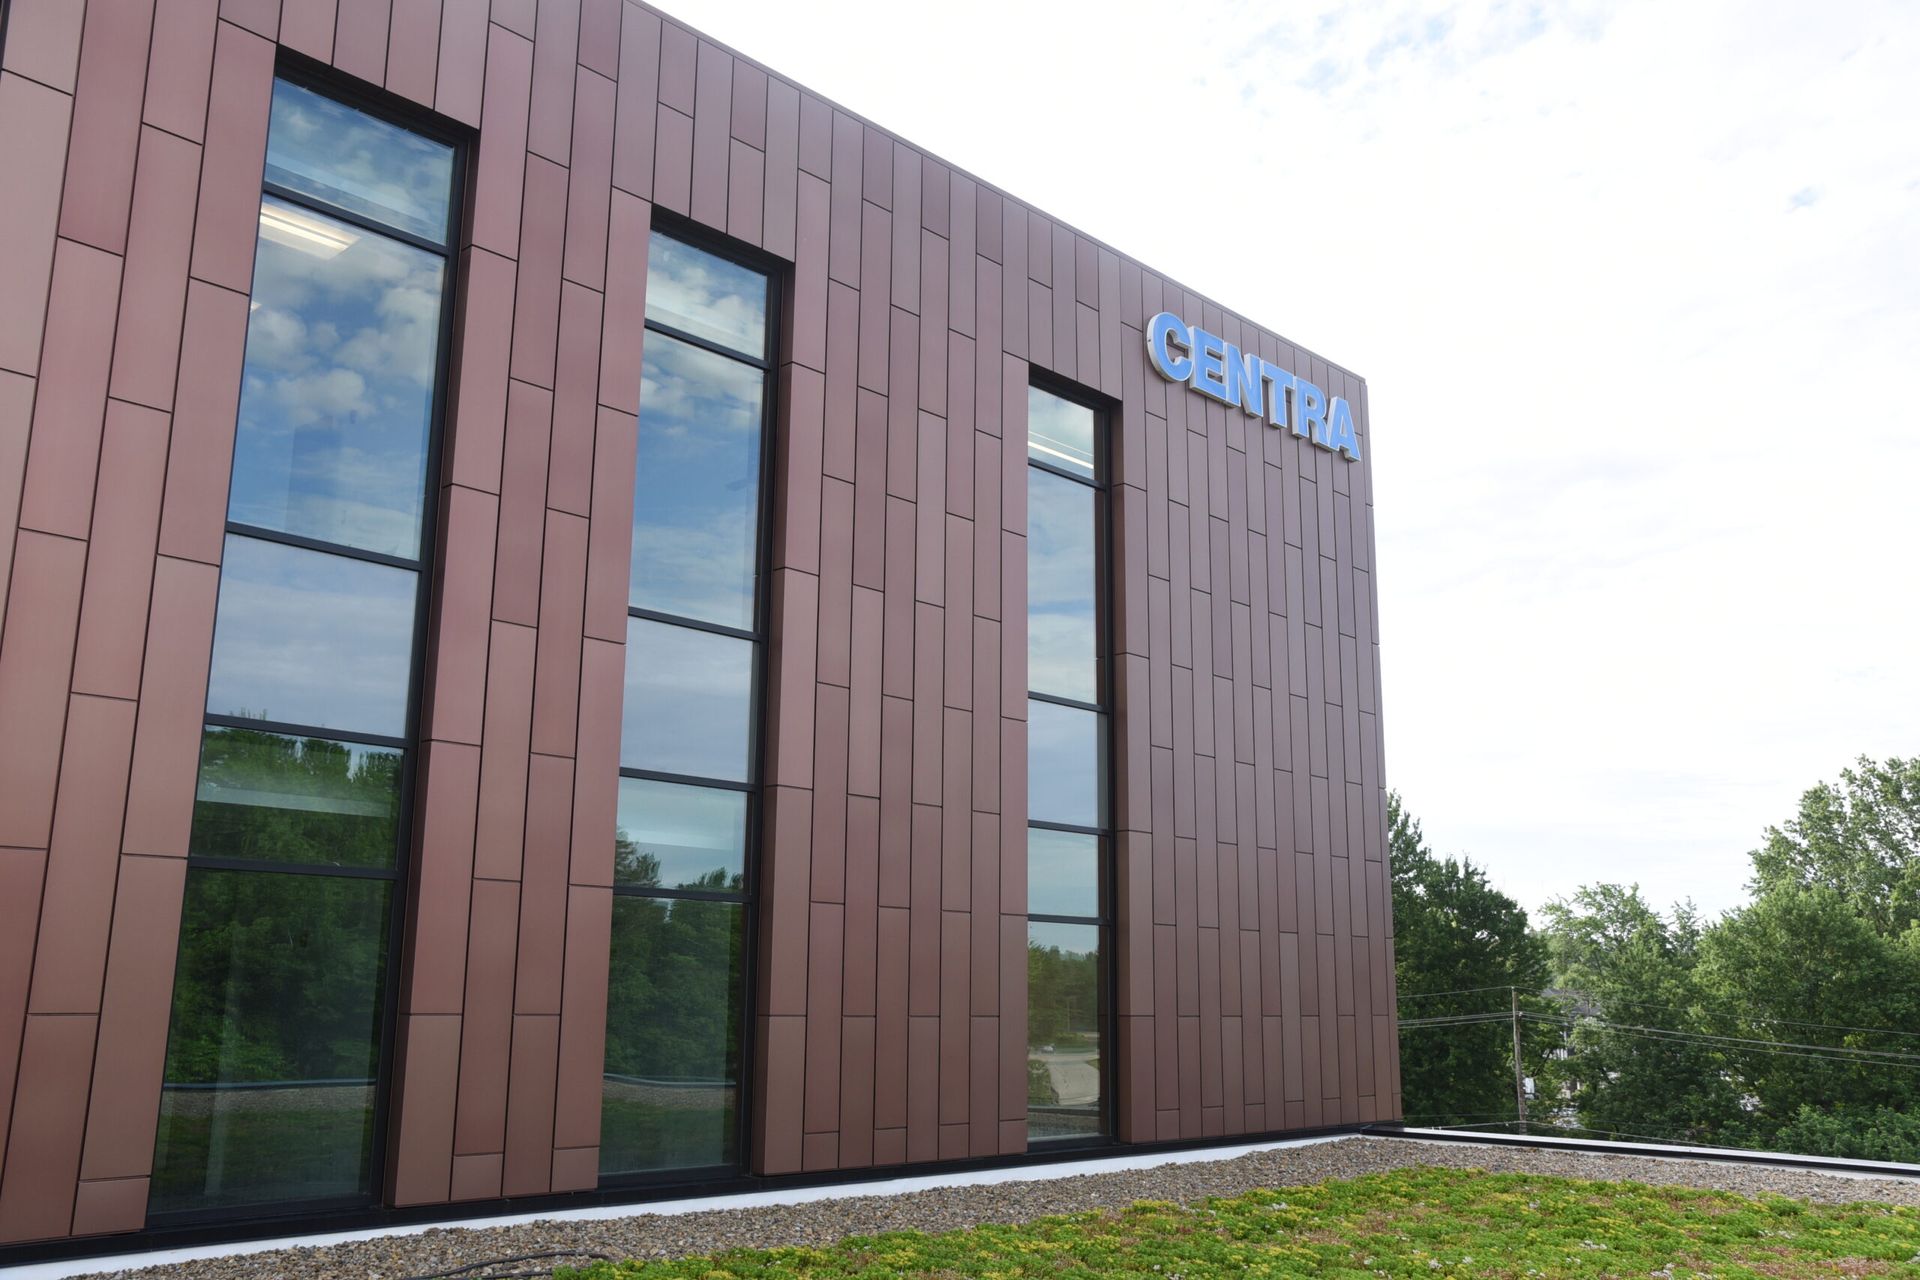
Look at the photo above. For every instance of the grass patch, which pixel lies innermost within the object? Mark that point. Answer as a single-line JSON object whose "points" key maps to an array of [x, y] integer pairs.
{"points": [[1417, 1223]]}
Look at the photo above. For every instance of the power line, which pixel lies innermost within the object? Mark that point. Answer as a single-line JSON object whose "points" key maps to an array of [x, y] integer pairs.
{"points": [[1462, 991], [1835, 1053], [1750, 1017]]}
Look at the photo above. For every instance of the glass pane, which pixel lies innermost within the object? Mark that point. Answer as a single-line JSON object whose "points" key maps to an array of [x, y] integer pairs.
{"points": [[1060, 432], [706, 296], [678, 837], [689, 701], [1065, 746], [275, 1040], [1063, 873], [1063, 633], [336, 399], [349, 159], [278, 798], [696, 499], [1064, 1026], [309, 638], [673, 1035]]}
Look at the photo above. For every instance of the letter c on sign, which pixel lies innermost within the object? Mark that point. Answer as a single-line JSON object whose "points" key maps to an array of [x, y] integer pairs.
{"points": [[1164, 330]]}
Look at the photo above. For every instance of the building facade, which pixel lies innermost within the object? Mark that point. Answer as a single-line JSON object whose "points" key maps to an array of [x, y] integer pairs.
{"points": [[575, 618]]}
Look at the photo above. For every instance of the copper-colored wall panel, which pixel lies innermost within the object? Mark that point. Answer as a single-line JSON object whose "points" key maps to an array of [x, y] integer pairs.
{"points": [[1253, 947]]}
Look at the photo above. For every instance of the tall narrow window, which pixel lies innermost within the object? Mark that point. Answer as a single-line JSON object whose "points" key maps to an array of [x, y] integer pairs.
{"points": [[689, 743], [1067, 685], [279, 1026]]}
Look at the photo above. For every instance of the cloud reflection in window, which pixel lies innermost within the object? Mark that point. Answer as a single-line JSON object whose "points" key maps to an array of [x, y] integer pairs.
{"points": [[304, 637], [349, 159], [697, 484], [336, 397], [688, 698], [1062, 631], [706, 296]]}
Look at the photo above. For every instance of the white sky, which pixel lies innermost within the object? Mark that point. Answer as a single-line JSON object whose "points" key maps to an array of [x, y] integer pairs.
{"points": [[1636, 289]]}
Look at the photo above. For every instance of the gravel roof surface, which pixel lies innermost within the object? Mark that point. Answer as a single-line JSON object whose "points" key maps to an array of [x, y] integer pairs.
{"points": [[653, 1235]]}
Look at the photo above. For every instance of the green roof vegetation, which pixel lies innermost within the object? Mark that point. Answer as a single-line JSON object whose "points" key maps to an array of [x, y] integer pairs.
{"points": [[1424, 1223]]}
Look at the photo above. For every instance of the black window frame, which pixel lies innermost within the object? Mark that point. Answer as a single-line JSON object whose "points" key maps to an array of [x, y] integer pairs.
{"points": [[706, 240], [317, 77], [1106, 421]]}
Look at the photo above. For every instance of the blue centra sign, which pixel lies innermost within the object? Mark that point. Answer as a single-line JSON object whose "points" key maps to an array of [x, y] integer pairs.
{"points": [[1215, 367]]}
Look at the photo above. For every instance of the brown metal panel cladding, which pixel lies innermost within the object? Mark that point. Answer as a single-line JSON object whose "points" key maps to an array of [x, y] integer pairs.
{"points": [[923, 938], [609, 532], [870, 492], [76, 906], [435, 954], [842, 398], [230, 168], [955, 1033], [260, 16], [961, 297], [527, 1167], [576, 1119], [543, 887], [679, 51], [836, 580], [556, 681], [935, 339], [983, 1076], [1012, 1068], [856, 1092], [589, 188], [1210, 1021], [64, 449], [43, 41], [486, 1029], [712, 116], [461, 60], [115, 1204], [536, 308], [984, 978], [956, 853], [16, 409], [120, 559], [307, 28], [455, 678], [523, 484], [860, 952], [576, 1168], [875, 320], [501, 157], [890, 1026], [106, 125], [636, 100], [555, 46], [413, 49], [829, 842], [43, 615], [781, 164], [575, 413], [825, 941], [782, 967], [897, 617], [797, 469], [790, 678], [426, 1067], [1165, 1017], [779, 1094], [745, 198], [503, 761], [863, 702], [749, 113], [56, 1056], [936, 193], [476, 1177], [154, 281], [166, 754], [596, 788], [22, 872], [482, 340]]}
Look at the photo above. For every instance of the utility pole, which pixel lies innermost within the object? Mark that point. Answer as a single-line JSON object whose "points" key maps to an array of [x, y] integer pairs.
{"points": [[1519, 1071]]}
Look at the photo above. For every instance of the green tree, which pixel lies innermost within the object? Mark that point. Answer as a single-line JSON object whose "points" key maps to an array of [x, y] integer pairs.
{"points": [[1625, 969], [1455, 933], [1800, 956], [1860, 839]]}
